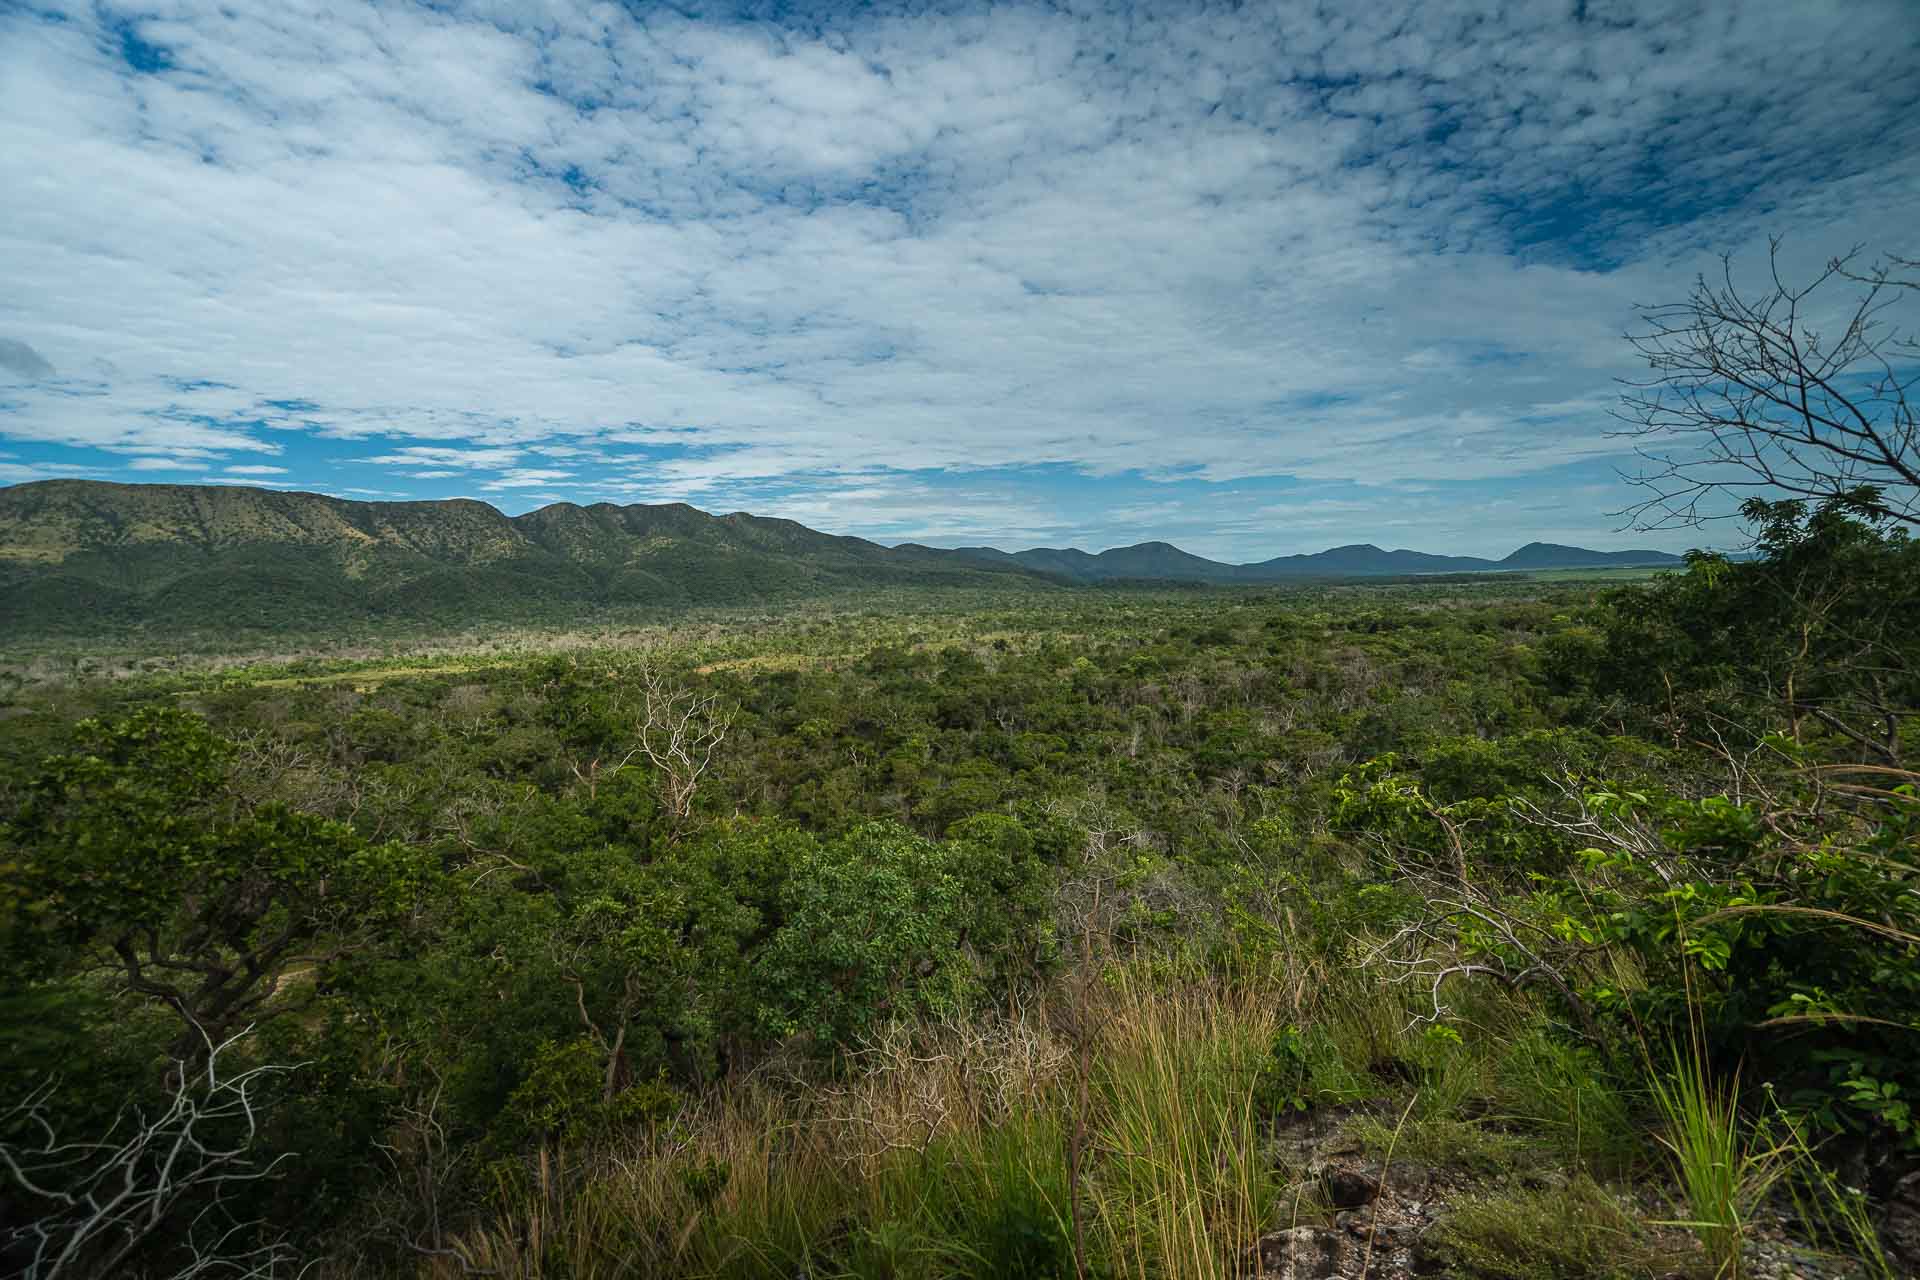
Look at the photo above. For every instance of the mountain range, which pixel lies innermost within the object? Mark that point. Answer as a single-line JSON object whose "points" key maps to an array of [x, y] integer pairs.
{"points": [[80, 555], [1162, 561]]}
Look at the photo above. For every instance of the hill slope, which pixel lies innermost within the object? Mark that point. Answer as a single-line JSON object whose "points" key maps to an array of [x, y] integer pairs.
{"points": [[83, 555], [1364, 560], [78, 555], [1145, 562], [1552, 555]]}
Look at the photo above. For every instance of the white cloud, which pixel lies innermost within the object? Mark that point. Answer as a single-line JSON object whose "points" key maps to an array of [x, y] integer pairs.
{"points": [[25, 472], [527, 478], [256, 471], [483, 459], [1345, 244], [248, 482]]}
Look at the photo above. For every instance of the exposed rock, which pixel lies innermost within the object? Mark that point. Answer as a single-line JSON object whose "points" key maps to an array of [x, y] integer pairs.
{"points": [[1379, 1218], [1543, 1179], [1303, 1136], [1349, 1186], [1386, 1233], [1900, 1224], [1379, 1228], [1358, 1248], [1304, 1253]]}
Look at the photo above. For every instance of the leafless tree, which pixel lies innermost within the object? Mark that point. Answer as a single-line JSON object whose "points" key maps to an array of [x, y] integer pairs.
{"points": [[98, 1201], [680, 730], [1508, 948], [1748, 393], [424, 1164]]}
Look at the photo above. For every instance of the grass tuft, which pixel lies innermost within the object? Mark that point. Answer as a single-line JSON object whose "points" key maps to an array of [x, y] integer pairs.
{"points": [[1722, 1175], [1574, 1232]]}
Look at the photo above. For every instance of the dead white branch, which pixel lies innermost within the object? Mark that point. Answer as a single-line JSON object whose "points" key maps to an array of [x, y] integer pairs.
{"points": [[99, 1200], [680, 732]]}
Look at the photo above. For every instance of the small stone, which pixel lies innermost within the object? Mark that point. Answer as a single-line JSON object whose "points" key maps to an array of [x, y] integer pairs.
{"points": [[1410, 1179]]}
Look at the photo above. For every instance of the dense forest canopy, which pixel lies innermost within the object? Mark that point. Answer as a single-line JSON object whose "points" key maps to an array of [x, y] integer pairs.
{"points": [[896, 941]]}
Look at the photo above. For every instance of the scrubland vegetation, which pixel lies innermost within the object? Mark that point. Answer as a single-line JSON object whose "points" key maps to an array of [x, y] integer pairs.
{"points": [[1501, 928]]}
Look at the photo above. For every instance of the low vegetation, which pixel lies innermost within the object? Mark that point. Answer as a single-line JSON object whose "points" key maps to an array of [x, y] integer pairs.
{"points": [[1493, 928]]}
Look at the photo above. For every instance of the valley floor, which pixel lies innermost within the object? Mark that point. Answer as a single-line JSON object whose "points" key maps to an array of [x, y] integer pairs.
{"points": [[1321, 932]]}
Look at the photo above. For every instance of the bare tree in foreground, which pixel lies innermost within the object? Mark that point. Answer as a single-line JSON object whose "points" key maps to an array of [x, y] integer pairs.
{"points": [[100, 1200], [1746, 393]]}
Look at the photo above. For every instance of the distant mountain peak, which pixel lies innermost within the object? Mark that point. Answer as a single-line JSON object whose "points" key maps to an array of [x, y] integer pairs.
{"points": [[1555, 555]]}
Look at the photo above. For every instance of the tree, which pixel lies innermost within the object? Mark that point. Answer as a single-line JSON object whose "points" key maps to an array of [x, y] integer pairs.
{"points": [[132, 853], [1750, 393], [883, 923], [1815, 639], [680, 730]]}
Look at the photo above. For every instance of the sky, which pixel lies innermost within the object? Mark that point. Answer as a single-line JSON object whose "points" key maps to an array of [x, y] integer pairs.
{"points": [[1255, 278]]}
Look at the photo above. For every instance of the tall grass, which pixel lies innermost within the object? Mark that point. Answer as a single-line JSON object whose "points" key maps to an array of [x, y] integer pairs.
{"points": [[1121, 1132], [1564, 1093], [944, 1153], [1180, 1187], [1836, 1216], [739, 1187], [1723, 1173]]}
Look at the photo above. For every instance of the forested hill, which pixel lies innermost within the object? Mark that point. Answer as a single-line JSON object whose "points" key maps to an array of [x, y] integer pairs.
{"points": [[80, 554], [77, 554]]}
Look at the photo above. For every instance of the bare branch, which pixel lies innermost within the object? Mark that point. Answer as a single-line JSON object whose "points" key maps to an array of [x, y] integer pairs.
{"points": [[100, 1200], [680, 731], [1744, 394]]}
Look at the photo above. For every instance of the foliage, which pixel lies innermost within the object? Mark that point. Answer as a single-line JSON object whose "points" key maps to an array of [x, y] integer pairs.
{"points": [[1814, 639], [877, 924], [968, 887], [1753, 924], [130, 850]]}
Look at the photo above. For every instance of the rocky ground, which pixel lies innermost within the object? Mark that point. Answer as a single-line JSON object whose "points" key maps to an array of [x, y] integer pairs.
{"points": [[1362, 1216]]}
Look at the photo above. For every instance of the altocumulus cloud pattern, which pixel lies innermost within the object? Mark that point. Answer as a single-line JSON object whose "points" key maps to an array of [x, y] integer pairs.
{"points": [[1256, 278]]}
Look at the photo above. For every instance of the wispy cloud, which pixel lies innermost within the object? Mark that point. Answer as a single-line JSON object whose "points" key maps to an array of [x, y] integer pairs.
{"points": [[609, 251], [24, 472], [483, 459], [527, 478]]}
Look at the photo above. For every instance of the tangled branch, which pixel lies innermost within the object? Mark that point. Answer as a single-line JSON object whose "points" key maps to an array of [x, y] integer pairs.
{"points": [[680, 731], [101, 1200], [1745, 393]]}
